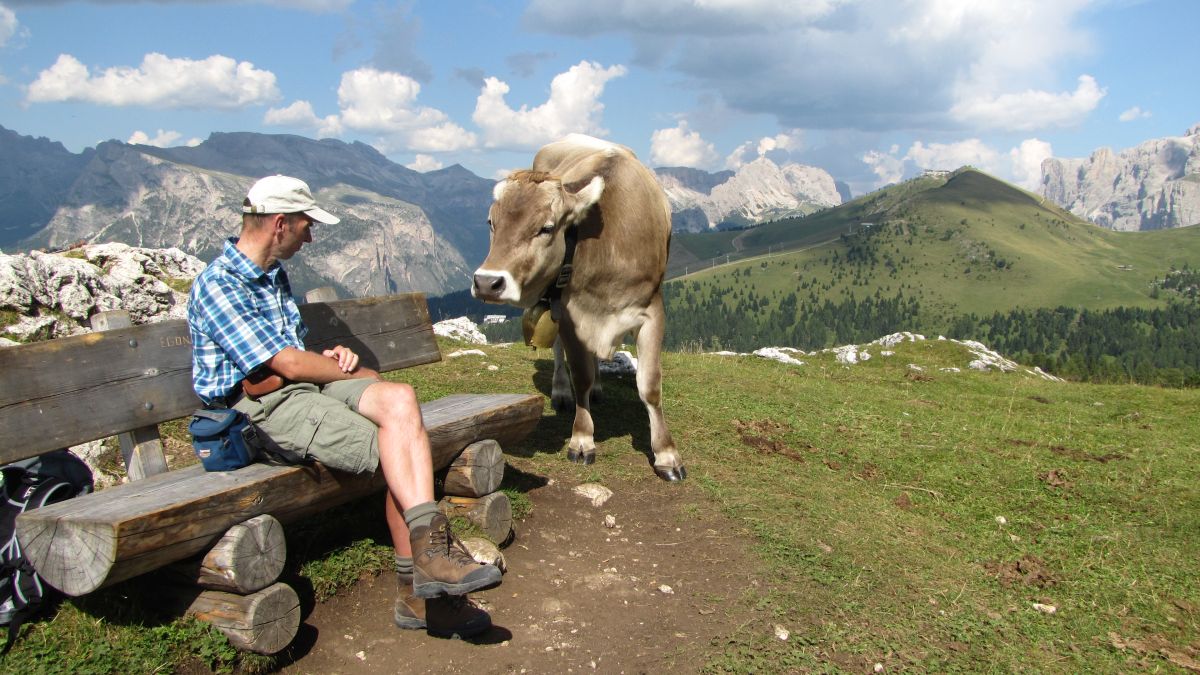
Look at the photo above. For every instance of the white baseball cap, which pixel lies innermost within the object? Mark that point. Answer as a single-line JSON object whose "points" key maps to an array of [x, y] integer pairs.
{"points": [[284, 194]]}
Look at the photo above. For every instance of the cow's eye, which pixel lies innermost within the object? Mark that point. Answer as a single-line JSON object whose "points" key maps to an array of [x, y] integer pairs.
{"points": [[491, 227], [546, 231]]}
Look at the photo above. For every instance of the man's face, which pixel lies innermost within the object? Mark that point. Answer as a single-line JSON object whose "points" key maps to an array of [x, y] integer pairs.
{"points": [[297, 231]]}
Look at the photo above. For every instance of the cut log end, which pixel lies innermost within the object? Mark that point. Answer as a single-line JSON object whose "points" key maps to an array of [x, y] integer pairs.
{"points": [[249, 557], [74, 557], [264, 622], [492, 514], [476, 472]]}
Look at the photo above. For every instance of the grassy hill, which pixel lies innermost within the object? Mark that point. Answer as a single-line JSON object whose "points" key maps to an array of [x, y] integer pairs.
{"points": [[969, 243], [902, 517], [964, 255]]}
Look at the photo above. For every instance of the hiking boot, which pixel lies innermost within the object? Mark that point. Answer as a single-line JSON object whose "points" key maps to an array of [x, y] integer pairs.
{"points": [[442, 566], [409, 612], [453, 616]]}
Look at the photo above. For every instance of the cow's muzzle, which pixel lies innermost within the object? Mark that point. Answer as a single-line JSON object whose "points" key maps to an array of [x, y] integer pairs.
{"points": [[488, 287]]}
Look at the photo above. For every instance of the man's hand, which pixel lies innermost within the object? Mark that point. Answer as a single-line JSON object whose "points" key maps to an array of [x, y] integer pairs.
{"points": [[347, 360]]}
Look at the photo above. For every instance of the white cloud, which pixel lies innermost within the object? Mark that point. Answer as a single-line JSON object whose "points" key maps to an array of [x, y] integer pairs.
{"points": [[300, 115], [737, 158], [1134, 113], [385, 103], [1031, 109], [950, 156], [382, 103], [789, 142], [680, 146], [162, 139], [886, 165], [8, 25], [778, 148], [863, 65], [574, 106], [424, 163], [160, 81], [1027, 161], [1021, 165]]}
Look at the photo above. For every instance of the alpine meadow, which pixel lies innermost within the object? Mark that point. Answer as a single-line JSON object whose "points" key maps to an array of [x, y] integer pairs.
{"points": [[960, 254]]}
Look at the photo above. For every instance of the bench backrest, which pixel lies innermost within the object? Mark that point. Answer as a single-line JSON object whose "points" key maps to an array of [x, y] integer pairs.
{"points": [[67, 391]]}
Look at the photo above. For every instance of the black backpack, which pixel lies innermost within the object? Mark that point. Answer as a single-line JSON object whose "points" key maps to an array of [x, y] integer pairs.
{"points": [[27, 485]]}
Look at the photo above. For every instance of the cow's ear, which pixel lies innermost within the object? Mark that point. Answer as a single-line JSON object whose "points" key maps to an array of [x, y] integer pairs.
{"points": [[498, 190], [586, 198]]}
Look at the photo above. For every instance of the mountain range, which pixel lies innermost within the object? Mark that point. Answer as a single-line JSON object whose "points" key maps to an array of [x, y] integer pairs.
{"points": [[406, 230], [757, 192], [1152, 186], [401, 229]]}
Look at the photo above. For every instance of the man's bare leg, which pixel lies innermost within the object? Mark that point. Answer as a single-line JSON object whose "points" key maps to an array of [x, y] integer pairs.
{"points": [[405, 458], [404, 454]]}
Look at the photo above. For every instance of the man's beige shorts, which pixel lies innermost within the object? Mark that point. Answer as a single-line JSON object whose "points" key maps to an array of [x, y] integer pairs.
{"points": [[321, 422]]}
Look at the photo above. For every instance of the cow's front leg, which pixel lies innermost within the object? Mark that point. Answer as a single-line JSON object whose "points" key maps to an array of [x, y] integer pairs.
{"points": [[668, 465], [582, 448], [560, 387], [561, 396]]}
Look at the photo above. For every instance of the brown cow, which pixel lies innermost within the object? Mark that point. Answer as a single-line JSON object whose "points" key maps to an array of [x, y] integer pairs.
{"points": [[586, 233]]}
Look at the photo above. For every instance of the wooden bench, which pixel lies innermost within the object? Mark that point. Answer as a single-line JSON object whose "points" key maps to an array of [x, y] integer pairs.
{"points": [[127, 380]]}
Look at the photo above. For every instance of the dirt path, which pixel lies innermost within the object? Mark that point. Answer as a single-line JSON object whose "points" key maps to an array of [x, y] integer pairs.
{"points": [[655, 593]]}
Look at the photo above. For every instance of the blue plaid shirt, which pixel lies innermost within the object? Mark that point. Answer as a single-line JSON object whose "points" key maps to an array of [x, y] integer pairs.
{"points": [[239, 317]]}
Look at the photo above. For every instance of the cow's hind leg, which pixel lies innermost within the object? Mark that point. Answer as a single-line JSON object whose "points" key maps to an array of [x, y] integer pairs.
{"points": [[667, 462], [582, 449]]}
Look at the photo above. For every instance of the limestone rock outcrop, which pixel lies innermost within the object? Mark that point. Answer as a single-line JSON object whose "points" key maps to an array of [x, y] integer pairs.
{"points": [[47, 295], [758, 192], [1155, 185]]}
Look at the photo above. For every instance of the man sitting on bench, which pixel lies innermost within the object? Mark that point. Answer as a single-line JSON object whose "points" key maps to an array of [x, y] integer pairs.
{"points": [[248, 353]]}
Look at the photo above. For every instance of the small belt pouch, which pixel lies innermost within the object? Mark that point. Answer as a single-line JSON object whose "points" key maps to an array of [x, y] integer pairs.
{"points": [[223, 438]]}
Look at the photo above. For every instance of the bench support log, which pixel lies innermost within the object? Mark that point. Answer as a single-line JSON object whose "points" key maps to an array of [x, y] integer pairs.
{"points": [[264, 622], [141, 448], [491, 513], [476, 472], [98, 539], [248, 558]]}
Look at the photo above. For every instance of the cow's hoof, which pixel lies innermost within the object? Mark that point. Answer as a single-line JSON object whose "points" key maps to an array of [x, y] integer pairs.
{"points": [[581, 457], [671, 473], [562, 404]]}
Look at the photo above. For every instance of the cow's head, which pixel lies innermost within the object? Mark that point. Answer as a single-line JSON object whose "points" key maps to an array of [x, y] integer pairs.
{"points": [[531, 212]]}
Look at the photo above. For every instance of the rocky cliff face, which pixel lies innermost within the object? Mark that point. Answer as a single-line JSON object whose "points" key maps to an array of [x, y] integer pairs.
{"points": [[1155, 185], [454, 200], [759, 191], [401, 230], [166, 199], [35, 174]]}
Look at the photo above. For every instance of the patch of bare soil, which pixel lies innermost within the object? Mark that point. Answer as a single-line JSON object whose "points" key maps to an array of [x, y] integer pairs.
{"points": [[656, 592], [1030, 570], [761, 436], [1056, 479]]}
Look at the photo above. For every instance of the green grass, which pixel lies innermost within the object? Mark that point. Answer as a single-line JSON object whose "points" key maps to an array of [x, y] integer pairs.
{"points": [[872, 493]]}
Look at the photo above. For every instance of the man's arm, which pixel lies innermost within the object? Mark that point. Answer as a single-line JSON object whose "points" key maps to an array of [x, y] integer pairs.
{"points": [[334, 364]]}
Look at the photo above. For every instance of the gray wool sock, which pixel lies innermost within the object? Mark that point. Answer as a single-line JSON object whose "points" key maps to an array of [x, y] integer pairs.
{"points": [[404, 566], [420, 515]]}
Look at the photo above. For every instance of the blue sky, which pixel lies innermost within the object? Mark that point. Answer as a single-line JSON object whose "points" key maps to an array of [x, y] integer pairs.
{"points": [[870, 90]]}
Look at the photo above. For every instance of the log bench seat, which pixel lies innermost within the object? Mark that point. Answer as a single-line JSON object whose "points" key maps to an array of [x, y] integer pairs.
{"points": [[124, 380]]}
